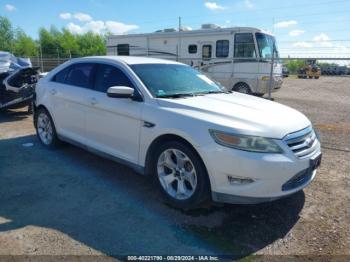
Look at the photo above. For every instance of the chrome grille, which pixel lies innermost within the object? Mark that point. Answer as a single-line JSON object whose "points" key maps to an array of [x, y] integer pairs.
{"points": [[303, 143]]}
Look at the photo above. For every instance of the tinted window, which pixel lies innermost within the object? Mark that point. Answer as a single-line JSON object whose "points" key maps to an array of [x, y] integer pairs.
{"points": [[60, 77], [107, 76], [123, 49], [192, 49], [79, 75], [244, 46], [222, 48], [206, 52]]}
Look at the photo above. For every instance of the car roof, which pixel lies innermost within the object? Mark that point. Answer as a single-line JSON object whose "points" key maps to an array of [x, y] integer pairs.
{"points": [[130, 60]]}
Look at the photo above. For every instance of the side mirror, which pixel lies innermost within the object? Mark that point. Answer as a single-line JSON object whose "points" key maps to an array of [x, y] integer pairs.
{"points": [[120, 92]]}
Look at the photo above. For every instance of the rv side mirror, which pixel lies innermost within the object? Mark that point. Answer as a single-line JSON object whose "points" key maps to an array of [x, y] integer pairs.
{"points": [[120, 92]]}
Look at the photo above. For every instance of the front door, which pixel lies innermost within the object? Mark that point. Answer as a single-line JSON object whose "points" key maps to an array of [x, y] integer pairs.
{"points": [[113, 124]]}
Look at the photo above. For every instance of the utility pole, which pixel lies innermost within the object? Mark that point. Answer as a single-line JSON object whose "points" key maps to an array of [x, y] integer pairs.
{"points": [[180, 23], [179, 44], [271, 70]]}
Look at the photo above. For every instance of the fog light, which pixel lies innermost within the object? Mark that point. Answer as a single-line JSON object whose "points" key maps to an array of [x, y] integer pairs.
{"points": [[239, 180]]}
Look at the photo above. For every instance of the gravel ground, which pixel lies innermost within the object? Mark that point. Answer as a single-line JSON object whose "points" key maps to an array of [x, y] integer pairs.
{"points": [[70, 202]]}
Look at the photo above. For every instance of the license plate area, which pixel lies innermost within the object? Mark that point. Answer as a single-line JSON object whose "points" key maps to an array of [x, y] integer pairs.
{"points": [[316, 162]]}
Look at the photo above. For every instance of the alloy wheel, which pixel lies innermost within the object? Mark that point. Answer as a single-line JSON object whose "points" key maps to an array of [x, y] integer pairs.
{"points": [[177, 174]]}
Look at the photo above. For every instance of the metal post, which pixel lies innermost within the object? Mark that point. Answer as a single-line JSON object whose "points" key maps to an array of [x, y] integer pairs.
{"points": [[271, 70], [179, 44], [58, 56], [41, 58]]}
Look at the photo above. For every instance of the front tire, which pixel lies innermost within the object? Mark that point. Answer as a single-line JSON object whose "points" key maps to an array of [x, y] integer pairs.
{"points": [[45, 129], [181, 175]]}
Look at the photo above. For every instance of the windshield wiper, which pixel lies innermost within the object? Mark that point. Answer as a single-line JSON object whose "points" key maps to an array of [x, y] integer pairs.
{"points": [[177, 95], [214, 92]]}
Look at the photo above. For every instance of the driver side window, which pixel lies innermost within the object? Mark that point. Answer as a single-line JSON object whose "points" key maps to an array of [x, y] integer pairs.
{"points": [[108, 76]]}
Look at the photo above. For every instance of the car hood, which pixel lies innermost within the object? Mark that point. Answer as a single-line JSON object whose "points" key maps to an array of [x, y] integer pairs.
{"points": [[240, 113]]}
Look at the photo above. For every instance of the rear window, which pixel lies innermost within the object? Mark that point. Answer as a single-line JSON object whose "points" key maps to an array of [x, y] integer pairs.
{"points": [[79, 75], [123, 49], [60, 77]]}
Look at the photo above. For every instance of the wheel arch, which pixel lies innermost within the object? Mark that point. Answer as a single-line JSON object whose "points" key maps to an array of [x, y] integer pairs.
{"points": [[241, 83], [37, 108], [163, 139]]}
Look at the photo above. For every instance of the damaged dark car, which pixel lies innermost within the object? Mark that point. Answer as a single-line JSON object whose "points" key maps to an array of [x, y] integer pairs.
{"points": [[17, 82]]}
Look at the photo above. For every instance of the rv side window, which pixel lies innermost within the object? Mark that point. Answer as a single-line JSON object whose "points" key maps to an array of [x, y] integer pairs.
{"points": [[206, 52], [123, 49], [244, 46], [192, 49], [222, 48]]}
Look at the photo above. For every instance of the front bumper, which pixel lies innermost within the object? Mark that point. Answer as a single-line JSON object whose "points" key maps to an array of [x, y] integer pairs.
{"points": [[264, 85], [272, 174]]}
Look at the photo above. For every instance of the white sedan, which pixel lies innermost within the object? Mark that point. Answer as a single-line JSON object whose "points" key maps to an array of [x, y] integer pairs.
{"points": [[171, 122]]}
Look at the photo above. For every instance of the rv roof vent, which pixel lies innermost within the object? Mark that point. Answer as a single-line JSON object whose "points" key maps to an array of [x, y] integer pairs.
{"points": [[210, 26], [158, 31], [168, 30]]}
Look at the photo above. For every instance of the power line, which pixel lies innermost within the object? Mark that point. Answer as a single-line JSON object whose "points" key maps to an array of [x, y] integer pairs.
{"points": [[315, 41], [175, 19]]}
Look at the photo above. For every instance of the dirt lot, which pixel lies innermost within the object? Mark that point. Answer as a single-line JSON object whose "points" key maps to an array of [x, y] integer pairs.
{"points": [[70, 202]]}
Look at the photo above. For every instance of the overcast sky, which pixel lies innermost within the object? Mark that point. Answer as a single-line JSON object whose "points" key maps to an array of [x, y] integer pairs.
{"points": [[301, 27]]}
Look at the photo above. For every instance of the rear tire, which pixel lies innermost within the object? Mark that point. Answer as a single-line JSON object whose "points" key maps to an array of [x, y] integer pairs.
{"points": [[242, 88], [45, 129], [181, 175]]}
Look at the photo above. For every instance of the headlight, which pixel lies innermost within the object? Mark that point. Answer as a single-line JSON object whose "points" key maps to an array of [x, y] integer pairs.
{"points": [[247, 143]]}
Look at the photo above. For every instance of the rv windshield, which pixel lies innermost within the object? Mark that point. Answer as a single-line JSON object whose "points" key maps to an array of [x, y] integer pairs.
{"points": [[266, 43], [173, 81]]}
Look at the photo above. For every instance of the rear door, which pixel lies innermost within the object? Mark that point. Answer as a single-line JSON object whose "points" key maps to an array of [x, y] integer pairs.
{"points": [[69, 94], [113, 124]]}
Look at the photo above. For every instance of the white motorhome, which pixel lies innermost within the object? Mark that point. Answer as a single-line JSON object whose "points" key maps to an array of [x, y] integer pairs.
{"points": [[238, 57]]}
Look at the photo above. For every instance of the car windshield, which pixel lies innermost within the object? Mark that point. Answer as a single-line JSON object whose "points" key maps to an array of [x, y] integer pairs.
{"points": [[172, 80], [266, 43]]}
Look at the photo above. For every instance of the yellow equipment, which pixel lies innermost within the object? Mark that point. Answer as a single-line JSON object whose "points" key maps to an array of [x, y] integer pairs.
{"points": [[310, 70]]}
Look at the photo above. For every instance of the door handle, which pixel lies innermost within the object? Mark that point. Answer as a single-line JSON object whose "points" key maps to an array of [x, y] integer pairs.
{"points": [[93, 101], [53, 92]]}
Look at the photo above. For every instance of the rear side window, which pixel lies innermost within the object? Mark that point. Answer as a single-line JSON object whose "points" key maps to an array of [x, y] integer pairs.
{"points": [[79, 75], [222, 48], [108, 76], [60, 77], [123, 49], [206, 51], [192, 49], [244, 45]]}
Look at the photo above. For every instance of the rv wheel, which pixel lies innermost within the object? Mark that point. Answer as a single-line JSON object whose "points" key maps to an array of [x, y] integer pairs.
{"points": [[242, 88]]}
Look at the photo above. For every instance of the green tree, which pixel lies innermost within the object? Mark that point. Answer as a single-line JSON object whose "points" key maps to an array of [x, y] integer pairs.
{"points": [[91, 44], [24, 45], [7, 34], [68, 44], [48, 42], [294, 65]]}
